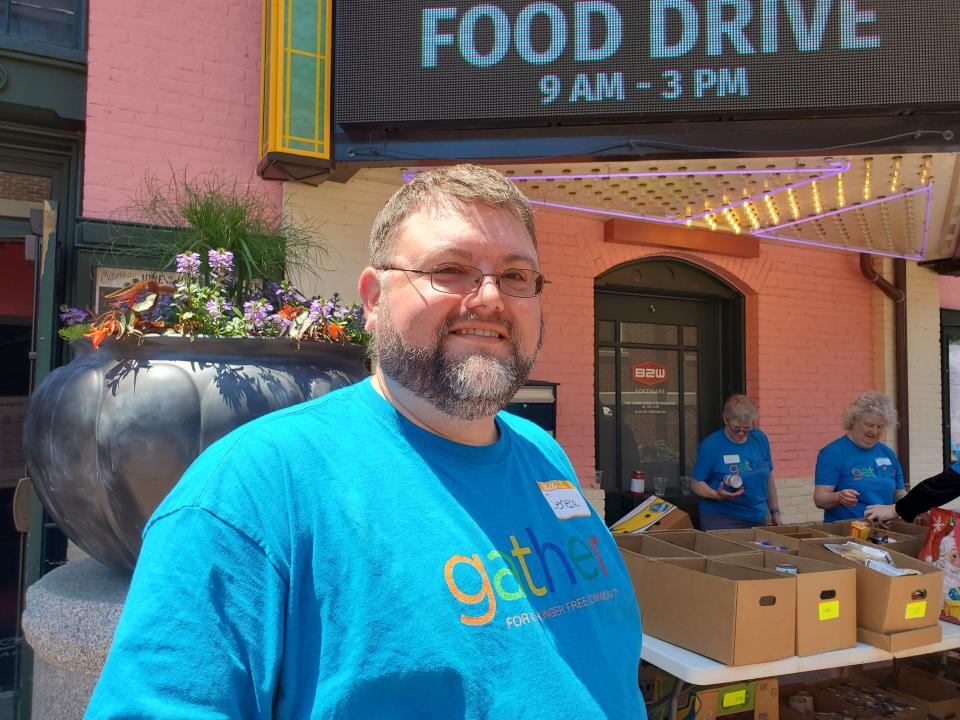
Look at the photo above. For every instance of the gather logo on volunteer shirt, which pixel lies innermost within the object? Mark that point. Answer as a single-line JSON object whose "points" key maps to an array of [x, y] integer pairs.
{"points": [[528, 568]]}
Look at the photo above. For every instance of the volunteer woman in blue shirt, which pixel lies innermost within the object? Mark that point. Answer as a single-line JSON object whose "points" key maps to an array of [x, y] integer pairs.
{"points": [[737, 454], [856, 469]]}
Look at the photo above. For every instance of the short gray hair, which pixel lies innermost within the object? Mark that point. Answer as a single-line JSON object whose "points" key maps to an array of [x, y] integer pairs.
{"points": [[872, 401], [740, 408], [448, 187]]}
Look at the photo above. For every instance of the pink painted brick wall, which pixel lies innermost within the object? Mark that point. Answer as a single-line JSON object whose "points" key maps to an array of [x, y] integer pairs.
{"points": [[809, 335], [949, 292], [170, 84]]}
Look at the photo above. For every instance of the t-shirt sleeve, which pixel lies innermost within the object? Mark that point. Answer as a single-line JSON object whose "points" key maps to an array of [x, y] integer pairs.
{"points": [[202, 627], [766, 448], [898, 470], [703, 466], [828, 467]]}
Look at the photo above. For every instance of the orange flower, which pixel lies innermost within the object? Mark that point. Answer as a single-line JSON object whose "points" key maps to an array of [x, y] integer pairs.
{"points": [[334, 331], [289, 312]]}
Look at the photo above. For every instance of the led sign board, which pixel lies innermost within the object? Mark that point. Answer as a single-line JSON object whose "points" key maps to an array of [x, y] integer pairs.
{"points": [[503, 61]]}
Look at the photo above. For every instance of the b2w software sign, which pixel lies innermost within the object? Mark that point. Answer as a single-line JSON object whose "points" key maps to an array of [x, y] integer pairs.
{"points": [[493, 62]]}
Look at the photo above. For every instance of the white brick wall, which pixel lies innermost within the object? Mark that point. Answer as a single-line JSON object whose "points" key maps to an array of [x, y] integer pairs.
{"points": [[923, 362], [342, 213]]}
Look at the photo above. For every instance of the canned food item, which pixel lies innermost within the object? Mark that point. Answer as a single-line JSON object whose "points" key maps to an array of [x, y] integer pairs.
{"points": [[733, 482], [786, 569], [859, 529]]}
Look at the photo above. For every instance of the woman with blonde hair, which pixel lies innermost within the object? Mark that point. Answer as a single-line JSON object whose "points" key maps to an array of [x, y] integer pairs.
{"points": [[733, 474], [857, 469]]}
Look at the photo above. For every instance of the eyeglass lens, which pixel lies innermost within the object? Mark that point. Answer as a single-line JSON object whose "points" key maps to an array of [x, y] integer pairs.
{"points": [[455, 278]]}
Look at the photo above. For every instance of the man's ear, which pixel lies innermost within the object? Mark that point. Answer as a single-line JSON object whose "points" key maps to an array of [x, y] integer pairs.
{"points": [[370, 289]]}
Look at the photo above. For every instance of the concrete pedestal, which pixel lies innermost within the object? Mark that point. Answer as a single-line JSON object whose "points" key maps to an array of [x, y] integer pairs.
{"points": [[69, 621]]}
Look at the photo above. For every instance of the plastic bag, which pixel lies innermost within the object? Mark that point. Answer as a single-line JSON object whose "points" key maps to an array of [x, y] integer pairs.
{"points": [[941, 548]]}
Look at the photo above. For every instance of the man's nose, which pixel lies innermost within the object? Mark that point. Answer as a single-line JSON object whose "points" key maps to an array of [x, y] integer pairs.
{"points": [[488, 292]]}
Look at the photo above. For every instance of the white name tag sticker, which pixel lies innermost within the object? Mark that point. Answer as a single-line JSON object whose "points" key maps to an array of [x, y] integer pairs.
{"points": [[883, 461], [564, 499], [731, 459]]}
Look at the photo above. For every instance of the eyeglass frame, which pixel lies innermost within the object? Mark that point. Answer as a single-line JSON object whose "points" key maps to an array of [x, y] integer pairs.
{"points": [[738, 429], [479, 280]]}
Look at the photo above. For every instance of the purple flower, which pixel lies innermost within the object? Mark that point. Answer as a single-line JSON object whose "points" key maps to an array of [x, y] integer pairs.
{"points": [[280, 322], [316, 307], [188, 264], [72, 315], [221, 262], [256, 311], [213, 307]]}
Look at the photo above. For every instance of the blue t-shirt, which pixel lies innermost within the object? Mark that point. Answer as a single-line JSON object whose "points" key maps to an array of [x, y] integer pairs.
{"points": [[333, 560], [718, 456], [874, 473]]}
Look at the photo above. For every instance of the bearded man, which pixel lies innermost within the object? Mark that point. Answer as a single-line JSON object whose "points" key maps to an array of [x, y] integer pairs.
{"points": [[399, 548]]}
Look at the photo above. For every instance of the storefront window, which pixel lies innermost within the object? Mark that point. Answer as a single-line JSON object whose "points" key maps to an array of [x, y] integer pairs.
{"points": [[51, 21], [952, 342]]}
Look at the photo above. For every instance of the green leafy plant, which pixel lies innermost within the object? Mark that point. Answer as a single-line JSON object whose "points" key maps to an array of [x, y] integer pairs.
{"points": [[207, 212], [201, 302]]}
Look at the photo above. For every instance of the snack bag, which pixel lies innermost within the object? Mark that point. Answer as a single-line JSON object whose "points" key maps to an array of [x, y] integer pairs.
{"points": [[940, 548]]}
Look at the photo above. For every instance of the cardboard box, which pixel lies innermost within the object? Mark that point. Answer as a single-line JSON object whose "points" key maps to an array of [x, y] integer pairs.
{"points": [[798, 531], [750, 700], [826, 601], [941, 697], [651, 546], [904, 543], [732, 614], [703, 543], [651, 515], [639, 550], [758, 697], [823, 702], [906, 528], [894, 642], [833, 690], [888, 604], [753, 539]]}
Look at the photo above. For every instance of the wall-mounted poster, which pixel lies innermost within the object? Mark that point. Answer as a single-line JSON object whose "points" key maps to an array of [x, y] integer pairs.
{"points": [[110, 279]]}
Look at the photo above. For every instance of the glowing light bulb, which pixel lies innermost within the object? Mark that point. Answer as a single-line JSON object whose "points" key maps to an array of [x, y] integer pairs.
{"points": [[841, 200], [794, 205], [817, 203], [867, 171], [895, 173], [772, 209], [925, 169]]}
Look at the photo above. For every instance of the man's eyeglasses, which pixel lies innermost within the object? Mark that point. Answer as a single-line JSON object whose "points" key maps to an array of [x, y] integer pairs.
{"points": [[458, 279], [738, 430]]}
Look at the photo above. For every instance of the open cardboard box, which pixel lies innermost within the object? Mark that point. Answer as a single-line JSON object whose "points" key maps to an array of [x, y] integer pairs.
{"points": [[822, 703], [798, 531], [753, 539], [652, 515], [941, 697], [733, 614], [906, 528], [903, 543], [887, 604], [638, 551], [826, 600], [703, 543], [825, 691], [825, 701]]}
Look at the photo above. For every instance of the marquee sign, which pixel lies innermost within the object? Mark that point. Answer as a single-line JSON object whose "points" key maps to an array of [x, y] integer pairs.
{"points": [[515, 61]]}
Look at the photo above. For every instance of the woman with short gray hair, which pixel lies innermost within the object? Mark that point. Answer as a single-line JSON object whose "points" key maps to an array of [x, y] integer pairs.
{"points": [[857, 469], [733, 474]]}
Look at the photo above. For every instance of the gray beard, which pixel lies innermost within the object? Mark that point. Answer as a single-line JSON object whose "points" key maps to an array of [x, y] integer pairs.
{"points": [[468, 388]]}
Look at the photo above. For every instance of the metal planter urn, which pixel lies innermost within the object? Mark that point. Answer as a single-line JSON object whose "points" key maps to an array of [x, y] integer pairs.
{"points": [[108, 435]]}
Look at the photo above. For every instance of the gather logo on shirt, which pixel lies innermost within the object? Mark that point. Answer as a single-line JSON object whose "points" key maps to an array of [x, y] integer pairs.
{"points": [[527, 569]]}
